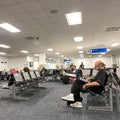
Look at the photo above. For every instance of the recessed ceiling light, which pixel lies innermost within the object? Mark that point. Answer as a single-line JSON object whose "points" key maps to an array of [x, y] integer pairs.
{"points": [[9, 27], [57, 53], [78, 39], [79, 47], [24, 51], [50, 49], [36, 54], [81, 52], [62, 56], [74, 18], [115, 44], [2, 53], [4, 46]]}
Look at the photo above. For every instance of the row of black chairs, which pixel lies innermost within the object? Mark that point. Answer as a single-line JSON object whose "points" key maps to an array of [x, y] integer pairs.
{"points": [[22, 80], [112, 89]]}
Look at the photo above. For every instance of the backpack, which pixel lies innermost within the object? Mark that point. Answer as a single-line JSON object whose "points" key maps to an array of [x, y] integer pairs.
{"points": [[65, 79]]}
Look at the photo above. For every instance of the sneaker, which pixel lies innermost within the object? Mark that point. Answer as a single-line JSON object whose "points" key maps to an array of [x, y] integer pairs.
{"points": [[76, 105], [68, 97]]}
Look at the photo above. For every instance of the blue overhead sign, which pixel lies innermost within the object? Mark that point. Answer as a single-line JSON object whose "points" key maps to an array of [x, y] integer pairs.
{"points": [[67, 60], [98, 50]]}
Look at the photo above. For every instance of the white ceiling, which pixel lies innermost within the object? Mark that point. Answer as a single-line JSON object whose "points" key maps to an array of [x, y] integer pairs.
{"points": [[34, 19]]}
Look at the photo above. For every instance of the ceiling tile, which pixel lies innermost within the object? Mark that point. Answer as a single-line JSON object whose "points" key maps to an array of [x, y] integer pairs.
{"points": [[21, 1], [14, 9], [22, 16], [6, 2], [37, 14], [3, 12], [49, 3], [42, 20], [31, 5]]}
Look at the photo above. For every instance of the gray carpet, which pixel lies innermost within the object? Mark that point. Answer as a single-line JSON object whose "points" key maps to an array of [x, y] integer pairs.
{"points": [[45, 104]]}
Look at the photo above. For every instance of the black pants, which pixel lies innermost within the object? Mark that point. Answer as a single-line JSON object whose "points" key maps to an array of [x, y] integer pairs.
{"points": [[78, 87]]}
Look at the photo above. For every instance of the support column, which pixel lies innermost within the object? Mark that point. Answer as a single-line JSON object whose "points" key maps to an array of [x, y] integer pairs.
{"points": [[114, 61], [41, 60]]}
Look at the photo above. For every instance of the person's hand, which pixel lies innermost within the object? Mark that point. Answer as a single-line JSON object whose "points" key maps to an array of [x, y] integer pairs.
{"points": [[88, 78], [84, 86]]}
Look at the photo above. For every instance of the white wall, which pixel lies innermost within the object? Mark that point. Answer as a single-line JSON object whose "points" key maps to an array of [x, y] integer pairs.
{"points": [[36, 65], [21, 62], [89, 62], [3, 63], [17, 62]]}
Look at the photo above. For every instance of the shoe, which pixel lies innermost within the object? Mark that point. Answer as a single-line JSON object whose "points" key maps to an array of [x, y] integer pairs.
{"points": [[76, 105], [68, 97], [6, 87]]}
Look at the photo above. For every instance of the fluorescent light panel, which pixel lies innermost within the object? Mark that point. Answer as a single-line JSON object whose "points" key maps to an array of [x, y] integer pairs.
{"points": [[81, 52], [2, 53], [79, 47], [62, 56], [24, 51], [115, 44], [78, 39], [74, 18], [4, 46], [57, 53], [9, 27], [36, 54], [49, 49]]}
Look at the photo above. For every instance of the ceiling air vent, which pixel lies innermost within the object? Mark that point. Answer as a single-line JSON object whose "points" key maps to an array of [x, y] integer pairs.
{"points": [[54, 11], [9, 52], [29, 38], [112, 29]]}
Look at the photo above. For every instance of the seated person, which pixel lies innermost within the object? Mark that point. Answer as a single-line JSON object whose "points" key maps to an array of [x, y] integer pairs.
{"points": [[96, 84], [73, 73]]}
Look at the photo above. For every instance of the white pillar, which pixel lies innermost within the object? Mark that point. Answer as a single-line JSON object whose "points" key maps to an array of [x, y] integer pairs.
{"points": [[114, 60], [41, 60]]}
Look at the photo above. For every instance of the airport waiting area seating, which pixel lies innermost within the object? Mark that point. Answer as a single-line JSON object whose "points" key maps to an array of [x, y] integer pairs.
{"points": [[21, 81], [110, 94], [24, 80]]}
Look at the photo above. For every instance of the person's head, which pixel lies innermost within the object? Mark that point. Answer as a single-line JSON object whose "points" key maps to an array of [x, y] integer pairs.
{"points": [[26, 69], [74, 67], [99, 65]]}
